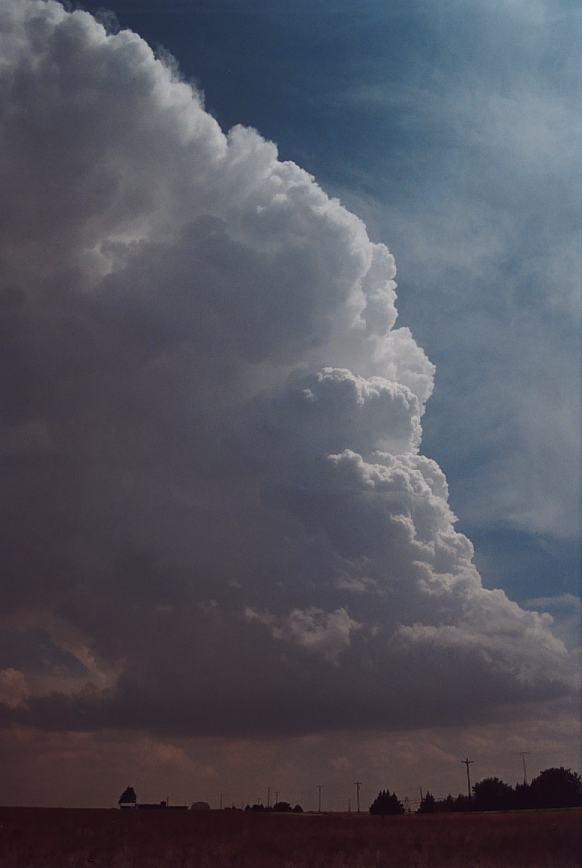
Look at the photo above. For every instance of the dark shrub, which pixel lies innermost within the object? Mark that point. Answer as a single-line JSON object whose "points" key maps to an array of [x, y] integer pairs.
{"points": [[386, 803]]}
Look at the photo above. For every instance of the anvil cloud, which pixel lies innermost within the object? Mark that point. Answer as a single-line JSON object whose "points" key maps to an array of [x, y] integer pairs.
{"points": [[216, 516]]}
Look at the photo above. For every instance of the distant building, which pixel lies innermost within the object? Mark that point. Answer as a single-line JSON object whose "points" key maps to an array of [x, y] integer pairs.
{"points": [[200, 806]]}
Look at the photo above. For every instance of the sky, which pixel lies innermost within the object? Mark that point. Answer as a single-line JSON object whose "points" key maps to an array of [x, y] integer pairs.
{"points": [[290, 417]]}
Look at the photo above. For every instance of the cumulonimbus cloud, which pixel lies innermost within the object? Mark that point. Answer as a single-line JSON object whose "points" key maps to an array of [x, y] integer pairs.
{"points": [[211, 429]]}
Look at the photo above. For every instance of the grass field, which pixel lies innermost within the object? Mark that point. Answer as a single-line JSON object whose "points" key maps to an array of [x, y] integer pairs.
{"points": [[61, 838]]}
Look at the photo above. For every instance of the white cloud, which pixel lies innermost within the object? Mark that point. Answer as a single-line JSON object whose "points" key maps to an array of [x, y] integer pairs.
{"points": [[205, 341], [560, 601], [325, 633], [566, 613]]}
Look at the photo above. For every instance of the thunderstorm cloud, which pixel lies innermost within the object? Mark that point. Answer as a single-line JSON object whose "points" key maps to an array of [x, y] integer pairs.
{"points": [[216, 515]]}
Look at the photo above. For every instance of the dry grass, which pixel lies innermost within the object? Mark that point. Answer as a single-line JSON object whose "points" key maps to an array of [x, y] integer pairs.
{"points": [[59, 838]]}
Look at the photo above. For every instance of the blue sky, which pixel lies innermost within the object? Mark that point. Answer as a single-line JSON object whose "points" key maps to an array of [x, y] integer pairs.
{"points": [[452, 129]]}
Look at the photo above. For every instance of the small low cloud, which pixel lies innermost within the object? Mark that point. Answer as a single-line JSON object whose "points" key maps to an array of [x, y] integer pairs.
{"points": [[319, 632], [14, 690], [561, 602]]}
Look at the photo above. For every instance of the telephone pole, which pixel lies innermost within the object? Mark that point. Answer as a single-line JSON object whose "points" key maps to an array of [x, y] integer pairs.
{"points": [[357, 785], [467, 762], [523, 754], [268, 797], [319, 790]]}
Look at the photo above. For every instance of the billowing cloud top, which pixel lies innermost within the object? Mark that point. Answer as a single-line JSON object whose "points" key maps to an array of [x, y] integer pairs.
{"points": [[216, 517]]}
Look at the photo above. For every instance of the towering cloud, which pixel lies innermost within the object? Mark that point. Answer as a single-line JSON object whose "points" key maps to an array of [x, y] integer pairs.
{"points": [[216, 516]]}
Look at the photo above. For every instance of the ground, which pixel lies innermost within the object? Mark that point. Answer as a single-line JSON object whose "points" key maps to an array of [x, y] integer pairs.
{"points": [[64, 838]]}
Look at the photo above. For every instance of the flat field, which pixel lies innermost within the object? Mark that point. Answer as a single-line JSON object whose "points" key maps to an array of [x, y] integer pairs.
{"points": [[64, 838]]}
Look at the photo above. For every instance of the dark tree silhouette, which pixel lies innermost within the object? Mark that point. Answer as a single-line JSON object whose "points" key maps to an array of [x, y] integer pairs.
{"points": [[128, 797], [463, 804], [427, 804], [522, 797], [492, 794], [451, 804], [297, 809], [556, 788], [282, 807], [553, 788], [386, 803]]}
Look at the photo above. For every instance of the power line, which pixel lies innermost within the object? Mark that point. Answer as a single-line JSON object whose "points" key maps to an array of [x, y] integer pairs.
{"points": [[523, 754], [357, 785], [468, 762]]}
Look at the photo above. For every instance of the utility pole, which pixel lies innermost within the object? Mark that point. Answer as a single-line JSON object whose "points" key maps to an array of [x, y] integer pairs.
{"points": [[276, 796], [357, 785], [421, 795], [523, 754], [268, 797], [467, 762], [319, 789]]}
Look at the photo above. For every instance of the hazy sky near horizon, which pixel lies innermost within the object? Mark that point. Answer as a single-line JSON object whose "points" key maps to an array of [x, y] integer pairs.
{"points": [[266, 513]]}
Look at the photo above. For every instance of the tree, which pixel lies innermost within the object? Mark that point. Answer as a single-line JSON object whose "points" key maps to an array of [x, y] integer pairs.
{"points": [[427, 804], [297, 809], [386, 803], [556, 788], [492, 794], [522, 797], [462, 804], [128, 797], [282, 807]]}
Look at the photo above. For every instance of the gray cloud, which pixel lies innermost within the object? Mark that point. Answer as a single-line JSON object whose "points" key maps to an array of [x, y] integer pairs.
{"points": [[215, 508]]}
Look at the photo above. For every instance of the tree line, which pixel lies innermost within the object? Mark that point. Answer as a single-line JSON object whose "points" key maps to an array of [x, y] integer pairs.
{"points": [[277, 808], [552, 788]]}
